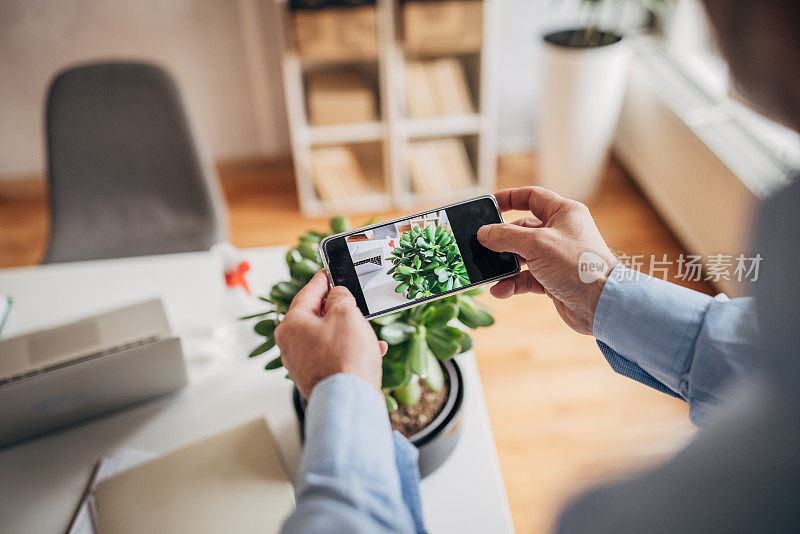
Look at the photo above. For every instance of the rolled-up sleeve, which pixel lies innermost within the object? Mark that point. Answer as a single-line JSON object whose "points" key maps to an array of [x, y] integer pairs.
{"points": [[676, 340], [349, 478]]}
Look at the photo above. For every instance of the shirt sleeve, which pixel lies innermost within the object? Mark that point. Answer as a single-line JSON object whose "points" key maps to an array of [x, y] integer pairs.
{"points": [[349, 479], [675, 340]]}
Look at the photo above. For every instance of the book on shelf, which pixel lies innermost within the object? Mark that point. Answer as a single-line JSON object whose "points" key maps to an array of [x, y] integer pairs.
{"points": [[336, 34], [455, 154], [425, 169], [442, 27], [452, 89], [337, 174], [339, 97], [437, 87], [419, 97], [439, 166]]}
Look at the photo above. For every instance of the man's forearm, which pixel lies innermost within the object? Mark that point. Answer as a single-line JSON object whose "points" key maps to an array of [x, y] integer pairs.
{"points": [[348, 479], [672, 338]]}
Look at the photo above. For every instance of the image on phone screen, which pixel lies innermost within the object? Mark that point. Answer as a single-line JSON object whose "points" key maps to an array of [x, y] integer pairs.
{"points": [[407, 260], [396, 264]]}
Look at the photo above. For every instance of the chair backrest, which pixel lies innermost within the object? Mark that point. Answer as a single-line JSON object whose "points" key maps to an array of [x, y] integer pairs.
{"points": [[126, 175]]}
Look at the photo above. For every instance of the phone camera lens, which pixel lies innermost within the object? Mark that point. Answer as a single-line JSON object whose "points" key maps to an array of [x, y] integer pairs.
{"points": [[340, 279]]}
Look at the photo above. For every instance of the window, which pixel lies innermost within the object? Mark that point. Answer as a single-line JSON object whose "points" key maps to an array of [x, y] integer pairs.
{"points": [[690, 39]]}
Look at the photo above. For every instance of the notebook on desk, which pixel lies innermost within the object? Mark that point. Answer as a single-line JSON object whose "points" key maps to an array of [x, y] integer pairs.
{"points": [[230, 482]]}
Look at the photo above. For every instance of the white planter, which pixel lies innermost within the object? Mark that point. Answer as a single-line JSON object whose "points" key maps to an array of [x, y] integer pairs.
{"points": [[582, 94]]}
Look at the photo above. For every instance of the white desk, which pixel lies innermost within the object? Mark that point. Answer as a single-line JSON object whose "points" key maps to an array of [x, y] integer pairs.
{"points": [[42, 480]]}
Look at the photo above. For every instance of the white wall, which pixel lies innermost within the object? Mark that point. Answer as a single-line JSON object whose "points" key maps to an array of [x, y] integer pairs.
{"points": [[212, 47], [522, 24], [223, 54]]}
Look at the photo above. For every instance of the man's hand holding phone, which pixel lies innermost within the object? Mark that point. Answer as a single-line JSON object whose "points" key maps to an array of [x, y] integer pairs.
{"points": [[320, 337], [551, 242], [397, 264], [325, 332]]}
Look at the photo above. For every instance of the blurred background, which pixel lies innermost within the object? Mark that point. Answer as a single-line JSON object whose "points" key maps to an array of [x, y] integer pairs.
{"points": [[258, 119]]}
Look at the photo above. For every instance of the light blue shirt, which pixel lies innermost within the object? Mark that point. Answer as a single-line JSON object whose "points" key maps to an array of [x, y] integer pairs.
{"points": [[676, 340], [356, 475]]}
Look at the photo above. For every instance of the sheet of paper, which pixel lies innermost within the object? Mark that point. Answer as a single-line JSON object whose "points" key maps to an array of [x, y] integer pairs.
{"points": [[86, 519], [5, 309], [231, 482]]}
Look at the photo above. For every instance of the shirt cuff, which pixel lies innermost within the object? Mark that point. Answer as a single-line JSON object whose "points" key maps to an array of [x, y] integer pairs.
{"points": [[347, 430], [652, 323], [406, 457]]}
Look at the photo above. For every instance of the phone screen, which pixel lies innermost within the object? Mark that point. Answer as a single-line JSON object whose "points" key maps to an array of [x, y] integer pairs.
{"points": [[420, 257]]}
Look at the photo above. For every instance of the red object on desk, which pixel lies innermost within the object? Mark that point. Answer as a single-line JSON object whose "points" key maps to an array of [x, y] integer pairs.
{"points": [[237, 277]]}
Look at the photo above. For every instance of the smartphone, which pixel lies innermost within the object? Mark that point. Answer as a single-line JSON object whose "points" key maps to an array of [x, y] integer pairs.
{"points": [[397, 264]]}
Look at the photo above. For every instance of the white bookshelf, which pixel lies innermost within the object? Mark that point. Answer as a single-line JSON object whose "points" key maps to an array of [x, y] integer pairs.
{"points": [[393, 130]]}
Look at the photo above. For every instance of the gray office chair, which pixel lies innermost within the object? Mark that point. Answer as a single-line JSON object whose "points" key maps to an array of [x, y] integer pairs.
{"points": [[126, 175]]}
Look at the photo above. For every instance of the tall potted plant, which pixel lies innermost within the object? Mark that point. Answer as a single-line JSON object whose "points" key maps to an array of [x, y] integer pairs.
{"points": [[584, 77], [422, 383]]}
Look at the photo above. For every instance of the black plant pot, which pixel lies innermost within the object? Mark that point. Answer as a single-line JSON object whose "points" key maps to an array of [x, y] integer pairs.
{"points": [[436, 441], [575, 38]]}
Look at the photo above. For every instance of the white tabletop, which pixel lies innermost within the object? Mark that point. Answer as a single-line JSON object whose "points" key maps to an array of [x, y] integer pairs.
{"points": [[42, 480]]}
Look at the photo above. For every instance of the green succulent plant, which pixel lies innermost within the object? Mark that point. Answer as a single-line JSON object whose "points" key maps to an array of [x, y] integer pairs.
{"points": [[427, 262], [418, 338]]}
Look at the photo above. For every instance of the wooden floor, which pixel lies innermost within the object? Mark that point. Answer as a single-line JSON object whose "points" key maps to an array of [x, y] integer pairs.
{"points": [[562, 419]]}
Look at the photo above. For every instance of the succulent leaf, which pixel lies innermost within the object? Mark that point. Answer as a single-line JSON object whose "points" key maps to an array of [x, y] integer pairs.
{"points": [[266, 327], [409, 394], [394, 375], [473, 317], [442, 313], [340, 224], [466, 343], [396, 333], [275, 363], [441, 346], [386, 319], [307, 251], [304, 270], [391, 402], [435, 378], [417, 353], [261, 349]]}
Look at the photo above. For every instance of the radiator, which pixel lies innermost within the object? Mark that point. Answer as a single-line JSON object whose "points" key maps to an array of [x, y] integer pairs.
{"points": [[693, 158]]}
